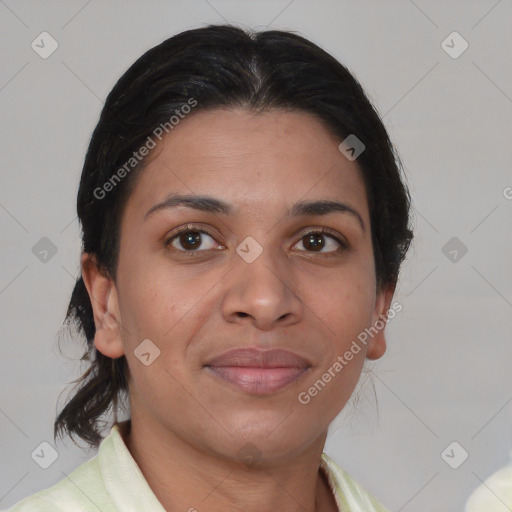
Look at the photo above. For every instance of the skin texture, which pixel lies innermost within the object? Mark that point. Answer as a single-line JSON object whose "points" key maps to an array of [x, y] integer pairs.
{"points": [[188, 426]]}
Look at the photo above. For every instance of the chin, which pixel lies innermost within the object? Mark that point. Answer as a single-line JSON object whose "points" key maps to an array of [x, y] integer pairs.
{"points": [[272, 437]]}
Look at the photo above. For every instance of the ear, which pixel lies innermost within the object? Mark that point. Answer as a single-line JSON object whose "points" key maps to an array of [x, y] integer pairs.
{"points": [[103, 296], [377, 344]]}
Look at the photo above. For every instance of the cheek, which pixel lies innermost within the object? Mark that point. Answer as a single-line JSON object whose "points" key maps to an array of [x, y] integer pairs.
{"points": [[349, 307], [345, 303], [164, 304]]}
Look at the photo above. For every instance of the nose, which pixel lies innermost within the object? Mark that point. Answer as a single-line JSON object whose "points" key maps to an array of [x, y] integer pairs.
{"points": [[262, 293]]}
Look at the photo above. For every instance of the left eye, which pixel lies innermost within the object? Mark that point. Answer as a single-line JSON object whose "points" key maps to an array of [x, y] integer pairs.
{"points": [[314, 242], [191, 240]]}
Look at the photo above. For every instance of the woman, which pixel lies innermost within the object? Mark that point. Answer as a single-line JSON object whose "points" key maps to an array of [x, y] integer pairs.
{"points": [[244, 221]]}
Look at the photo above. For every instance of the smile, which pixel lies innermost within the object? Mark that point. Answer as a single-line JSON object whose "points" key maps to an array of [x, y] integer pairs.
{"points": [[258, 372]]}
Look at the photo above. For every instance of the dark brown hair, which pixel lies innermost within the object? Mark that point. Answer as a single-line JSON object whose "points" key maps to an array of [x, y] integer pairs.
{"points": [[217, 66]]}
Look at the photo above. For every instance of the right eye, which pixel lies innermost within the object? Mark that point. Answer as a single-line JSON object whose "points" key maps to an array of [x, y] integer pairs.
{"points": [[189, 240]]}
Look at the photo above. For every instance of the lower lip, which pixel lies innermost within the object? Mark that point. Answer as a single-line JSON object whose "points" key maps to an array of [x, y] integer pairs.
{"points": [[258, 381]]}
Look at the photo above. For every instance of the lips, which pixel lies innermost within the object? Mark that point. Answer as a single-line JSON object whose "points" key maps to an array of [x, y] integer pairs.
{"points": [[257, 358], [258, 371]]}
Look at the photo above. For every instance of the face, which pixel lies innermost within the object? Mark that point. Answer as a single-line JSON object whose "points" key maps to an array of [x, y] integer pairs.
{"points": [[249, 269]]}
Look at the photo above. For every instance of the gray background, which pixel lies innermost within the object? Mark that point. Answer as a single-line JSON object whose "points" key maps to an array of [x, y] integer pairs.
{"points": [[446, 376]]}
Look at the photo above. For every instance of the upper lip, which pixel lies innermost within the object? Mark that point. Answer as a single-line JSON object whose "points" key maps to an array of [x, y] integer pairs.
{"points": [[259, 358]]}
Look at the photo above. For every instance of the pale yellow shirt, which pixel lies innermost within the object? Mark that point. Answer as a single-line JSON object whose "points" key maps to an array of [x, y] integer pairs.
{"points": [[494, 495], [111, 481]]}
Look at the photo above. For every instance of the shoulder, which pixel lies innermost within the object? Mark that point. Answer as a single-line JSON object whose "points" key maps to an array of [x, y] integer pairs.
{"points": [[34, 503], [108, 482], [494, 494], [349, 494], [80, 491]]}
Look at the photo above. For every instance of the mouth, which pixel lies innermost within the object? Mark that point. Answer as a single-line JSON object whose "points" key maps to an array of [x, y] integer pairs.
{"points": [[258, 372]]}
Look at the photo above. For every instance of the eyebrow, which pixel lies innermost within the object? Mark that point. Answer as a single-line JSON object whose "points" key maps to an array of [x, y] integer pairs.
{"points": [[213, 205]]}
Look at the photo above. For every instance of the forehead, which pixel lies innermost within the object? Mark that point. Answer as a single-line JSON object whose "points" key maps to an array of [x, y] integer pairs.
{"points": [[252, 160]]}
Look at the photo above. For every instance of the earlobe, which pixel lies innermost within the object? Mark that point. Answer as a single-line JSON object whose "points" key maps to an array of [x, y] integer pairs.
{"points": [[103, 296], [377, 345]]}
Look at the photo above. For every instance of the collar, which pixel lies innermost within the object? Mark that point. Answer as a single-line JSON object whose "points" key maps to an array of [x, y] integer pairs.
{"points": [[122, 477]]}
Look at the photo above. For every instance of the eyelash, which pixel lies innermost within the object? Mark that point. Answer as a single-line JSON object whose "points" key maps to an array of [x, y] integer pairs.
{"points": [[322, 231]]}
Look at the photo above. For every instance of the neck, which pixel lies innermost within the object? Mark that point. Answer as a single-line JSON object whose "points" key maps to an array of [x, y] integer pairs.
{"points": [[185, 478]]}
